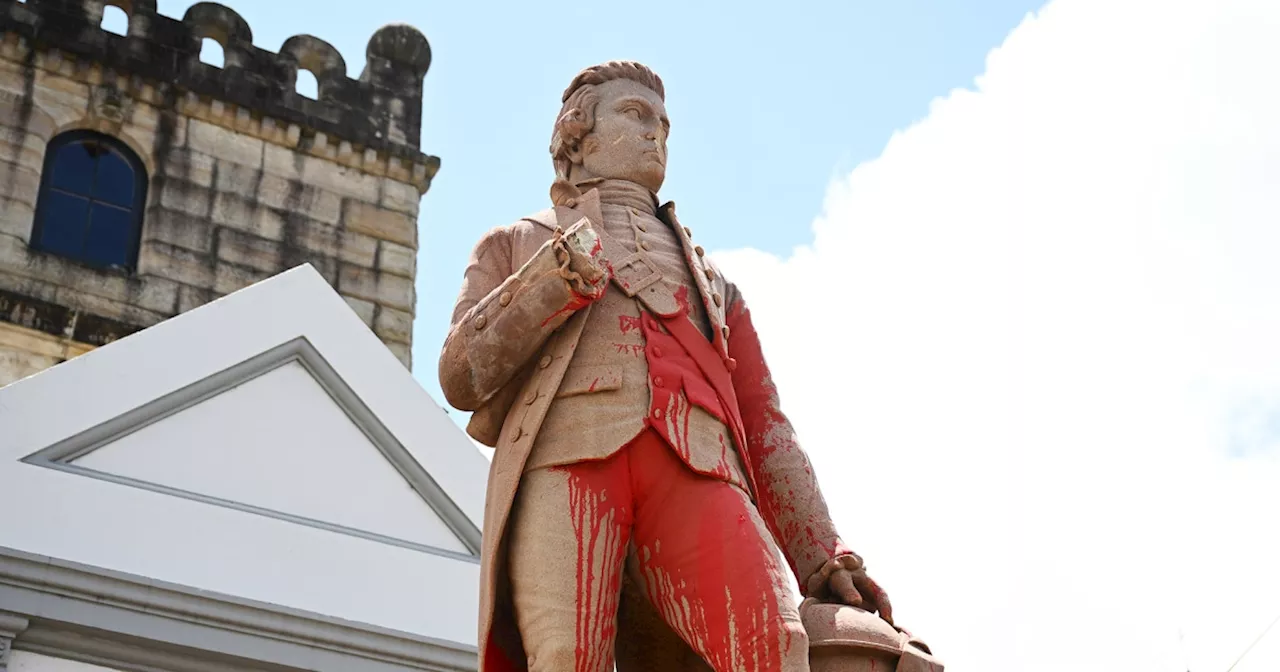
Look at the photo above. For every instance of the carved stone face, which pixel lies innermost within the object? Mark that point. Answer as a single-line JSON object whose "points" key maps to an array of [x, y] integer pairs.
{"points": [[629, 138]]}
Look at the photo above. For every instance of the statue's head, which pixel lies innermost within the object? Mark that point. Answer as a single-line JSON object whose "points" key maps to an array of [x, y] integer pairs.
{"points": [[613, 124]]}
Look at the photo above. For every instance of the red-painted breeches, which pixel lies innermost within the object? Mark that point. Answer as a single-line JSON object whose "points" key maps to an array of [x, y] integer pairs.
{"points": [[696, 546]]}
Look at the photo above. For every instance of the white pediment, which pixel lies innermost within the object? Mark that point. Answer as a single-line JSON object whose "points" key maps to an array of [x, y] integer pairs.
{"points": [[291, 451], [266, 445]]}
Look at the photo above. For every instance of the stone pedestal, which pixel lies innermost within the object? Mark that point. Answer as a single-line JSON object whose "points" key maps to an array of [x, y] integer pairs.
{"points": [[849, 639]]}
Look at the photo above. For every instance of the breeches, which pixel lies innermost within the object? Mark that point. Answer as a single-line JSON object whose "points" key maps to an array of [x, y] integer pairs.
{"points": [[696, 547]]}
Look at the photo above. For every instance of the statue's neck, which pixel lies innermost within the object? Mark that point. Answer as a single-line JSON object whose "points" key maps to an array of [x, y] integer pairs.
{"points": [[622, 193]]}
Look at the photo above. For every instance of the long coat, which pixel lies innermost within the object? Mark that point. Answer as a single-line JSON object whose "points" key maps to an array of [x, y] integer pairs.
{"points": [[516, 324]]}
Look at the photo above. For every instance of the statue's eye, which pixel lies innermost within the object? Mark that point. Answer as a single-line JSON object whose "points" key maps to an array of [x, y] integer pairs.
{"points": [[633, 112]]}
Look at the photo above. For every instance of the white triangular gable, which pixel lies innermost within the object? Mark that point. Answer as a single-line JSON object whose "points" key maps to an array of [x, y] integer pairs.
{"points": [[291, 451], [267, 446]]}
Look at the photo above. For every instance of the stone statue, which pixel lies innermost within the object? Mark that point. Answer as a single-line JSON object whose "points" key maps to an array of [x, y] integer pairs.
{"points": [[644, 477]]}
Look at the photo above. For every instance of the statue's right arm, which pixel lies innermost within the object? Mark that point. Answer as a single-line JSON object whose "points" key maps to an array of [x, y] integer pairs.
{"points": [[505, 313]]}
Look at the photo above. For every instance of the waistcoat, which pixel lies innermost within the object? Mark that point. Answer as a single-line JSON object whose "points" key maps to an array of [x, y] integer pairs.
{"points": [[629, 374]]}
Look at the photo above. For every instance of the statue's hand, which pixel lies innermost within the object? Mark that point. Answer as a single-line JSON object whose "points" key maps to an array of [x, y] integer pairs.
{"points": [[844, 580], [582, 260]]}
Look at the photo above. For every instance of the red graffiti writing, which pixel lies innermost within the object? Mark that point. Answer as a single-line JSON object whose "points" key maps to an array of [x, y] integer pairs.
{"points": [[633, 349]]}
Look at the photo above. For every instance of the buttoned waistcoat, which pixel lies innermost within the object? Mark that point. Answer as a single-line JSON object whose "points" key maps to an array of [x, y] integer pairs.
{"points": [[516, 326], [628, 373]]}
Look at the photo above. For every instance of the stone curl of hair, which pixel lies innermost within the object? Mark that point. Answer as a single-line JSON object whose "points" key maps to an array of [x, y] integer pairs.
{"points": [[578, 111]]}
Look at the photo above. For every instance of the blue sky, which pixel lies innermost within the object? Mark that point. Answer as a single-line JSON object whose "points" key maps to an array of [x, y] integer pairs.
{"points": [[769, 102]]}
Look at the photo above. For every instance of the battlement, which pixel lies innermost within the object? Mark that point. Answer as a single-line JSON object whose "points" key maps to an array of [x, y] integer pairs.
{"points": [[380, 111]]}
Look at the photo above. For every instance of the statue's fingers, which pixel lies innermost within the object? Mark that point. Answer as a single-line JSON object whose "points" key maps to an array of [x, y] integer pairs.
{"points": [[851, 562], [872, 589], [841, 584], [886, 609]]}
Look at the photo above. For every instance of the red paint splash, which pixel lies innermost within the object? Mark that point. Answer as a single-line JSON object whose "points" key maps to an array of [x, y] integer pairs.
{"points": [[682, 296], [786, 490], [576, 302], [628, 323], [725, 604]]}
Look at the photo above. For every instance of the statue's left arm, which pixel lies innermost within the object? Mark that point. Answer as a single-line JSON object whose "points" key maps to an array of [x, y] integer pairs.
{"points": [[788, 495]]}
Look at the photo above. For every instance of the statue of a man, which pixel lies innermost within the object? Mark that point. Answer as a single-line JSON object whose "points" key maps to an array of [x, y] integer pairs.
{"points": [[642, 466]]}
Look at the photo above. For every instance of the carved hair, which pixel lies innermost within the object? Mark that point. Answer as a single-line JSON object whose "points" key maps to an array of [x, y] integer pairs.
{"points": [[578, 112]]}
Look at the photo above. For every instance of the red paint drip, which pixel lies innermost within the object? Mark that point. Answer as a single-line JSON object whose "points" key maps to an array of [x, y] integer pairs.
{"points": [[600, 528]]}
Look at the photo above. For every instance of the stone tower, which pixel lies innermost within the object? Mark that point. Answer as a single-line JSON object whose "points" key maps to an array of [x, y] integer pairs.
{"points": [[138, 182]]}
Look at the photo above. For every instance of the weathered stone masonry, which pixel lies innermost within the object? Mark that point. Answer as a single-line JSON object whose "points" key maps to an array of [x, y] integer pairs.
{"points": [[247, 177]]}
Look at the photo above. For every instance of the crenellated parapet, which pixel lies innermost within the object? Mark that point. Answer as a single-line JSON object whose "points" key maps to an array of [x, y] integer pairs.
{"points": [[217, 176], [381, 111]]}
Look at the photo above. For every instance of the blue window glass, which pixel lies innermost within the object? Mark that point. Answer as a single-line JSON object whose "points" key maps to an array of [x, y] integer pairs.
{"points": [[108, 226], [115, 181], [71, 210], [91, 200]]}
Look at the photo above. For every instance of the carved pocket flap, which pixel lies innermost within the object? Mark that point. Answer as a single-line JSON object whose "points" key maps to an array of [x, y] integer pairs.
{"points": [[585, 379]]}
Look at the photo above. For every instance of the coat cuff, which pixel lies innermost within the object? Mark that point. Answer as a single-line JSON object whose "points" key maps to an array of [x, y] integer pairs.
{"points": [[493, 340]]}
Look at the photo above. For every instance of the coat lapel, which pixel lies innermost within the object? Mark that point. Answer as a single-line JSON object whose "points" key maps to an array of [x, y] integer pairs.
{"points": [[704, 278]]}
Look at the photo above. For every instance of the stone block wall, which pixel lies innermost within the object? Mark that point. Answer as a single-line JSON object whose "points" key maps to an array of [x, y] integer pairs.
{"points": [[235, 194]]}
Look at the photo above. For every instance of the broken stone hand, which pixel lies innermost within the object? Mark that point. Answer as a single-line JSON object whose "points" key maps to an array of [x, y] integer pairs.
{"points": [[582, 261]]}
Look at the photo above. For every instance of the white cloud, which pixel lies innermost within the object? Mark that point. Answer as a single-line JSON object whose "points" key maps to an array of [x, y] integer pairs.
{"points": [[1046, 405]]}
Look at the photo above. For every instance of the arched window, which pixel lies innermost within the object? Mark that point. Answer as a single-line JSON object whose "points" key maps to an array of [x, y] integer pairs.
{"points": [[92, 194]]}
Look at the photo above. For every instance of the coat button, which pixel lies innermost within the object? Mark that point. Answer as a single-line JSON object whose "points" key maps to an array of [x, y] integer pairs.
{"points": [[546, 359], [699, 250], [481, 321], [717, 299], [657, 414], [505, 299], [707, 272], [687, 232], [531, 397], [657, 381], [731, 364], [655, 351], [652, 324], [725, 330], [644, 244]]}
